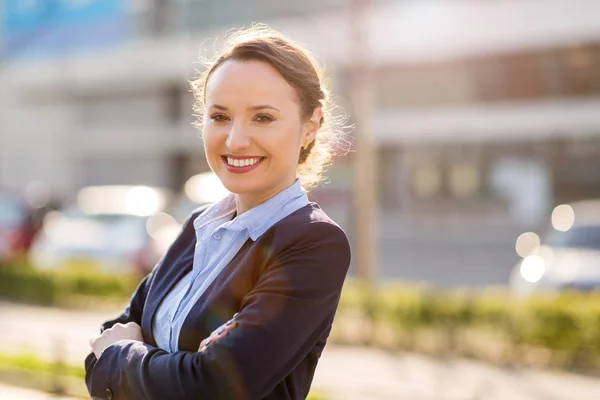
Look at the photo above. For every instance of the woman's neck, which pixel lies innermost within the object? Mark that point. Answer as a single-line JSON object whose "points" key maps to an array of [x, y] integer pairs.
{"points": [[247, 201]]}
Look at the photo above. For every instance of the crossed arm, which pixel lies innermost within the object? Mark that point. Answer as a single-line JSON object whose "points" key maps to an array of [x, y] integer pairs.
{"points": [[278, 324]]}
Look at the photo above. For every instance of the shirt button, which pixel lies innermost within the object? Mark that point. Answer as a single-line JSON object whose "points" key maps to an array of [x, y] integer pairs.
{"points": [[217, 236], [109, 394]]}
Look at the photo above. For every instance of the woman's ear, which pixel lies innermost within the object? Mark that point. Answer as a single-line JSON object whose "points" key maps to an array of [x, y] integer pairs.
{"points": [[313, 125]]}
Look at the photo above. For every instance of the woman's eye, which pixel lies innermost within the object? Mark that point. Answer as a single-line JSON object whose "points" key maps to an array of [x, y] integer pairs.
{"points": [[218, 117], [264, 118]]}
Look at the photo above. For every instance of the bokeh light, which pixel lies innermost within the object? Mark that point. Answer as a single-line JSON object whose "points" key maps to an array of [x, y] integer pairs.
{"points": [[157, 222], [142, 201], [135, 200], [563, 217], [533, 268], [205, 188], [526, 243]]}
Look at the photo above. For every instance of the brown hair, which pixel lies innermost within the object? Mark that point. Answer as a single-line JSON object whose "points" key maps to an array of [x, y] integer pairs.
{"points": [[299, 68]]}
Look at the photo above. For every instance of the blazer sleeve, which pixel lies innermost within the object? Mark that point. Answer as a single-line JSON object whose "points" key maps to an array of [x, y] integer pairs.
{"points": [[132, 313], [280, 321]]}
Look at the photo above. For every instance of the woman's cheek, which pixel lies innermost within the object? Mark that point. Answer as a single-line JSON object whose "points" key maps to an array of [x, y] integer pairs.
{"points": [[210, 144]]}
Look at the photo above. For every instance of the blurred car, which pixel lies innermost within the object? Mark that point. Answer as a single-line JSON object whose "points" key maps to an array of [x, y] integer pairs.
{"points": [[17, 229], [568, 255], [110, 228]]}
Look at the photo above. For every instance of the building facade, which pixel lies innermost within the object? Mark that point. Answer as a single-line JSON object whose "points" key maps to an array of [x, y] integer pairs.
{"points": [[486, 114]]}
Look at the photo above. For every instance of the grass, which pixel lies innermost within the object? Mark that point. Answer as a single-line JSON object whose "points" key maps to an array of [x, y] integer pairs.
{"points": [[317, 395], [31, 371], [32, 362], [28, 370]]}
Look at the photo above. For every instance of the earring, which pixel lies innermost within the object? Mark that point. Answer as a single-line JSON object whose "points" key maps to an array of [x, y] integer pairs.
{"points": [[306, 145]]}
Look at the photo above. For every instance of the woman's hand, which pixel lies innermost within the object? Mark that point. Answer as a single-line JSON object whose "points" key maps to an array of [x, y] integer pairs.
{"points": [[129, 331], [219, 333]]}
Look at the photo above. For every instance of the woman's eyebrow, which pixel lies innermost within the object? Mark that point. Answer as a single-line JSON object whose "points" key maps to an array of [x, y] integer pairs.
{"points": [[262, 107], [252, 108]]}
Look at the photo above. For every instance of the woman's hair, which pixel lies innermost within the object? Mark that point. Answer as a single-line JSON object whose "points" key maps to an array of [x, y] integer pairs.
{"points": [[301, 71]]}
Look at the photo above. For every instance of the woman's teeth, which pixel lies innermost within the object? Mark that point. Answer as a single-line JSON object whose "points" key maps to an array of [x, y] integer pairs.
{"points": [[242, 163]]}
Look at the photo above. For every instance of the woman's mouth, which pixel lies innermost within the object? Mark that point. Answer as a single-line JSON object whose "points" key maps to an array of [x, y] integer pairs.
{"points": [[240, 165]]}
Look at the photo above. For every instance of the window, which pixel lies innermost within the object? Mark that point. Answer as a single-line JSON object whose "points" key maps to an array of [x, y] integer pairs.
{"points": [[422, 86], [121, 109], [178, 103], [464, 180], [390, 176], [514, 77], [427, 180], [578, 70]]}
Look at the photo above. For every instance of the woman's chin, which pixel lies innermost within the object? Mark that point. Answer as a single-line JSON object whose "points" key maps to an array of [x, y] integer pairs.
{"points": [[238, 185]]}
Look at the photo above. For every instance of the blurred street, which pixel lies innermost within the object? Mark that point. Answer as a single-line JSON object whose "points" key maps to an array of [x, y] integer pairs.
{"points": [[347, 373]]}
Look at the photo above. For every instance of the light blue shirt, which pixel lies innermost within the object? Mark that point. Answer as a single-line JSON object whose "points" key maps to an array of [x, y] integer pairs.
{"points": [[218, 239]]}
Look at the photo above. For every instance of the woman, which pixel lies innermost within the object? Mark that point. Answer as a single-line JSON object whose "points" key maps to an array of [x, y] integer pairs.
{"points": [[262, 269]]}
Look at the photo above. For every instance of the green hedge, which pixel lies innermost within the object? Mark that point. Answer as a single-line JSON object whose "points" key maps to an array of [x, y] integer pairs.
{"points": [[69, 287], [565, 325]]}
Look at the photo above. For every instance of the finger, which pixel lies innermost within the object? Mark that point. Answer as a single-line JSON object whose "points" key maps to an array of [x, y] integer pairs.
{"points": [[221, 333], [214, 337], [205, 344], [225, 328], [218, 334], [230, 327]]}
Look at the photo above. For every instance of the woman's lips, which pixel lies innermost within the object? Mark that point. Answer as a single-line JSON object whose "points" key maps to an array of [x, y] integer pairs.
{"points": [[241, 169]]}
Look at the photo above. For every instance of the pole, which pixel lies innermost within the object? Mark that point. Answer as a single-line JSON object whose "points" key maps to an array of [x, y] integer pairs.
{"points": [[365, 202]]}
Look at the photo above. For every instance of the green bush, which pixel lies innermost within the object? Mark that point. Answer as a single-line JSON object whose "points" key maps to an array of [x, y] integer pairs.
{"points": [[569, 323], [555, 324], [33, 362], [590, 321], [355, 296], [408, 308], [24, 284]]}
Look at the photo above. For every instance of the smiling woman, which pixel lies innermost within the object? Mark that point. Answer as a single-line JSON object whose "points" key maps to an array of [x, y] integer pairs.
{"points": [[285, 103], [242, 303]]}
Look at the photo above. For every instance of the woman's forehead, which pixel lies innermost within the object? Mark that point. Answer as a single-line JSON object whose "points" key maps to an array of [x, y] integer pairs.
{"points": [[248, 82]]}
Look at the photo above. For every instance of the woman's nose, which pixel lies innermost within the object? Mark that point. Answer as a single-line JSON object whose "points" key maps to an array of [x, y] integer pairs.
{"points": [[237, 138]]}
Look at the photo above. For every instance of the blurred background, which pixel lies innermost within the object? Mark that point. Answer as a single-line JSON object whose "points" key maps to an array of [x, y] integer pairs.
{"points": [[475, 168]]}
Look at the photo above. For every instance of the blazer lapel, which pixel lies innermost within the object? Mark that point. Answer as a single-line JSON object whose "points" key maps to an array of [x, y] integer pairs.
{"points": [[217, 304], [163, 285]]}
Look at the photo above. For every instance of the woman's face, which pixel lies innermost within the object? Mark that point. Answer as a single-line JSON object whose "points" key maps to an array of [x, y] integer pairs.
{"points": [[253, 128]]}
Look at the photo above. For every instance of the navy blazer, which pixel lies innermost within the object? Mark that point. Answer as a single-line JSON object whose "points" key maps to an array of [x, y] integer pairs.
{"points": [[285, 288]]}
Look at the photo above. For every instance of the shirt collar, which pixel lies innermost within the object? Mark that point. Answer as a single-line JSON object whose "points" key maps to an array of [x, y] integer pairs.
{"points": [[260, 218], [256, 220], [219, 210]]}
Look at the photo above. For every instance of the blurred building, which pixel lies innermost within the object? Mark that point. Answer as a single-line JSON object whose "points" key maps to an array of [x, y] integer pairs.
{"points": [[486, 113]]}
